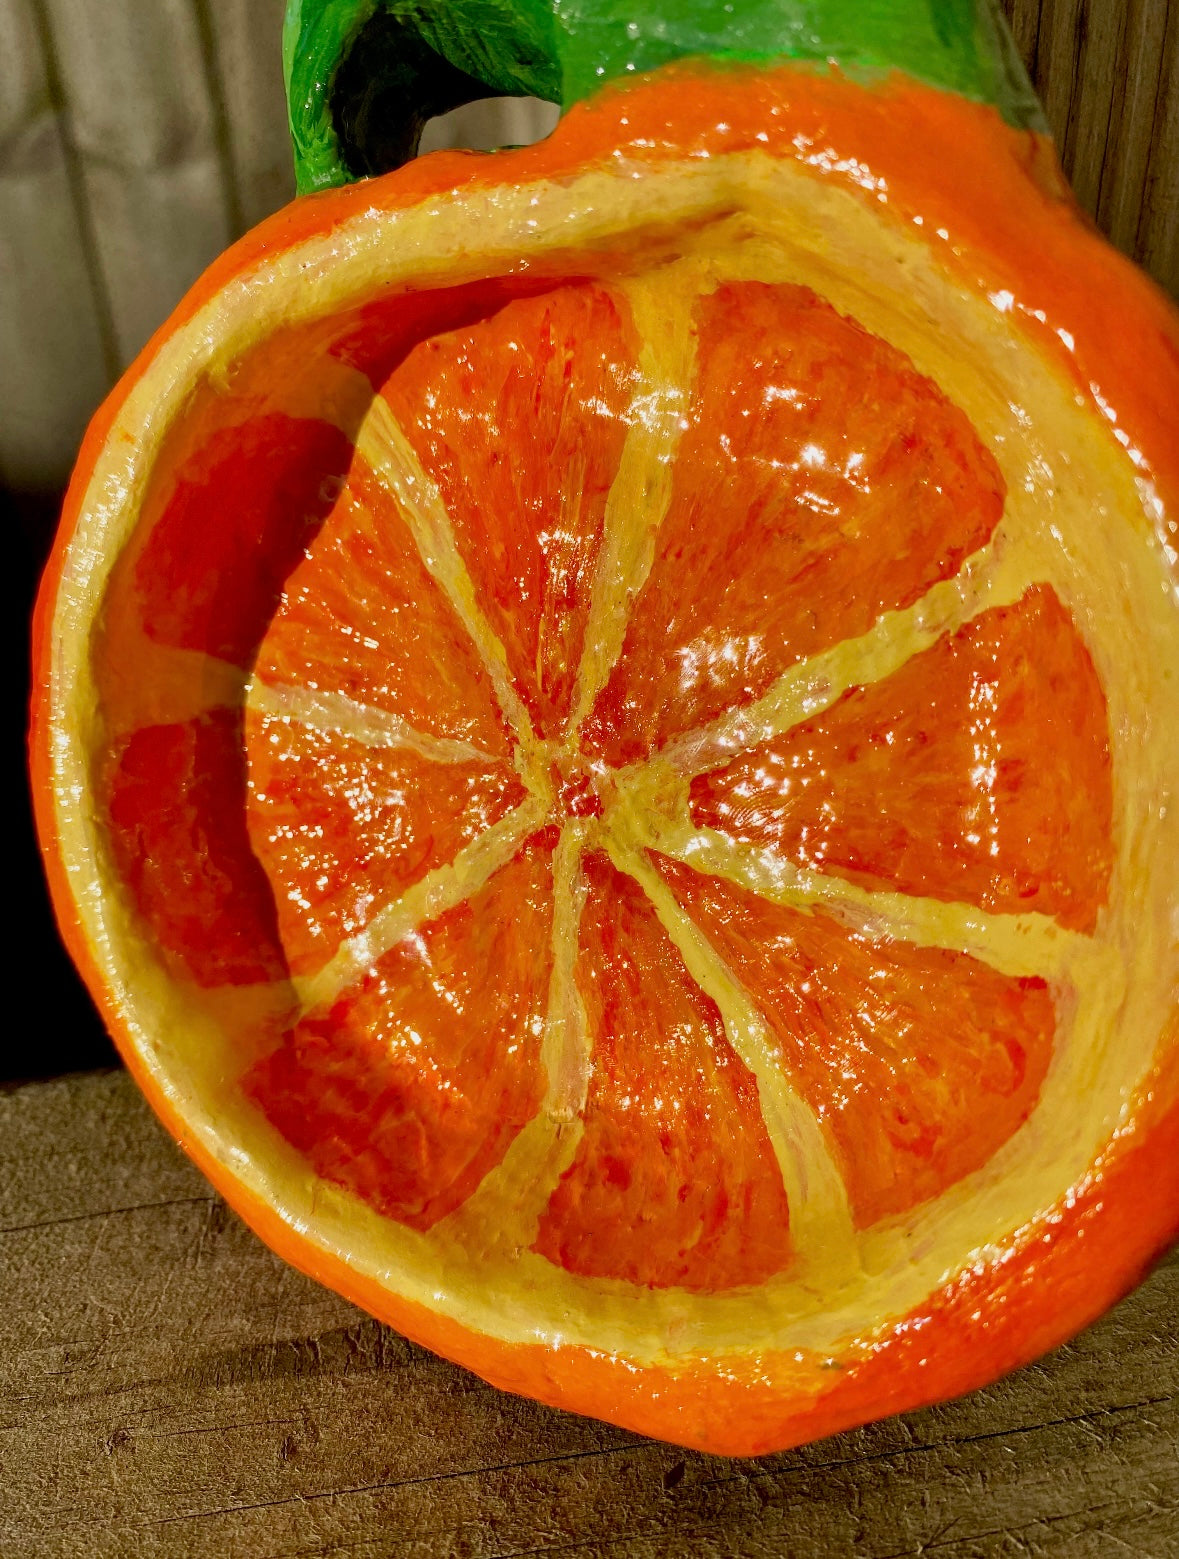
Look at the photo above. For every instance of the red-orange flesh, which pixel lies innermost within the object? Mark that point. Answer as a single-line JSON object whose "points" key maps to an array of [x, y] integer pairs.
{"points": [[361, 616], [341, 828]]}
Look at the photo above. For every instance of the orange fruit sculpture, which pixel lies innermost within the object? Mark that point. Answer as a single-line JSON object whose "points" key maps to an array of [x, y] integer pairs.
{"points": [[606, 739]]}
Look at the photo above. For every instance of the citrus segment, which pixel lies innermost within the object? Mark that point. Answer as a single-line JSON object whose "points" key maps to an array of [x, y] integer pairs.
{"points": [[341, 827], [244, 507], [175, 799], [414, 1084], [674, 1181], [979, 771], [820, 481], [519, 421], [362, 618], [921, 1062]]}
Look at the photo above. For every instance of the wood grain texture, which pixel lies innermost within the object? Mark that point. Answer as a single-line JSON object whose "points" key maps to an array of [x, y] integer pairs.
{"points": [[1107, 72], [168, 1388]]}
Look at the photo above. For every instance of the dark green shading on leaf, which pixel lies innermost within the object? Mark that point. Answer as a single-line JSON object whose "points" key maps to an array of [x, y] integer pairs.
{"points": [[388, 86]]}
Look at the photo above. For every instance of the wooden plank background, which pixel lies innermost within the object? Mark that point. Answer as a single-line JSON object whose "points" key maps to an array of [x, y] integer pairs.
{"points": [[147, 134], [170, 1390], [137, 137], [1107, 72]]}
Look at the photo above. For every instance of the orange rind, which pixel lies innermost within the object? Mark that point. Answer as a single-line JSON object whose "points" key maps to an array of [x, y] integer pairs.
{"points": [[605, 738]]}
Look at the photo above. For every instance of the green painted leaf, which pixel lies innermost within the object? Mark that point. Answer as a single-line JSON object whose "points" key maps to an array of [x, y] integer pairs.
{"points": [[363, 76]]}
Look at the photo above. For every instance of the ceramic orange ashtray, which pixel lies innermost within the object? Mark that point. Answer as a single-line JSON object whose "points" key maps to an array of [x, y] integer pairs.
{"points": [[608, 713]]}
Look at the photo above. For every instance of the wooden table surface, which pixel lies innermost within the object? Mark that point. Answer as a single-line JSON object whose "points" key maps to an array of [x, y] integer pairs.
{"points": [[169, 1388]]}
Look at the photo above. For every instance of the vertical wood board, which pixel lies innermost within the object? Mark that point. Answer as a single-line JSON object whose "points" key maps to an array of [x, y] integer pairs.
{"points": [[53, 368], [144, 129], [244, 37], [1107, 72]]}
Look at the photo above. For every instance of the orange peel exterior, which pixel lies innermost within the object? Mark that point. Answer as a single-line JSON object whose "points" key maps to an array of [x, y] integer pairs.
{"points": [[991, 205]]}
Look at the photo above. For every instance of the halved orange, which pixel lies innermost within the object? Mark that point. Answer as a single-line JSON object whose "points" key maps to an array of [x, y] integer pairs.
{"points": [[606, 736]]}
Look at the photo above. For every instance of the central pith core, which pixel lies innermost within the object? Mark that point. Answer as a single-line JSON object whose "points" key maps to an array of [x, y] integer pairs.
{"points": [[581, 788]]}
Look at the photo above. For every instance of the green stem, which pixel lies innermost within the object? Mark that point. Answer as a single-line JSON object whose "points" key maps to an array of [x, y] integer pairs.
{"points": [[363, 76]]}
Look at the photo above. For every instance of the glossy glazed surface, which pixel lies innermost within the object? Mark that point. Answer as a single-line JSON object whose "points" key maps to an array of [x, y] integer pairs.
{"points": [[531, 1213]]}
